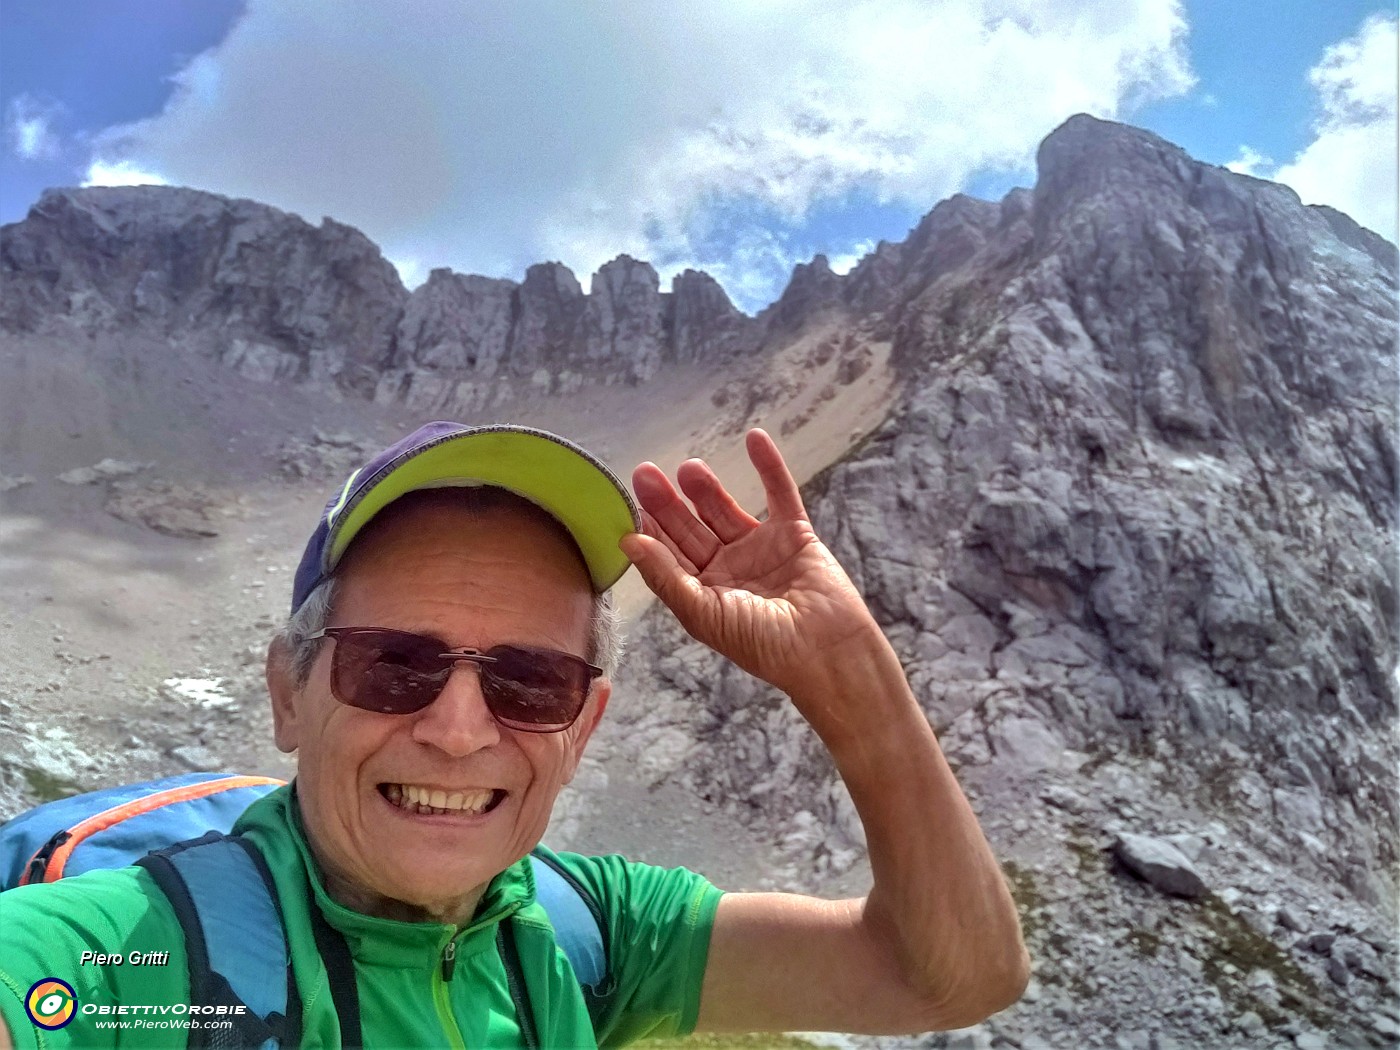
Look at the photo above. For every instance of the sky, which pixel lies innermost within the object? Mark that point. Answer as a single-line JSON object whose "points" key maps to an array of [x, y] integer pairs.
{"points": [[735, 136]]}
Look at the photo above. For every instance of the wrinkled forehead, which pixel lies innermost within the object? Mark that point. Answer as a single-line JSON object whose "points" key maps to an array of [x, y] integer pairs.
{"points": [[468, 571], [416, 514]]}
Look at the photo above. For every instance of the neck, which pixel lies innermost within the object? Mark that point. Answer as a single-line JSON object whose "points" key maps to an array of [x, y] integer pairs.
{"points": [[457, 912]]}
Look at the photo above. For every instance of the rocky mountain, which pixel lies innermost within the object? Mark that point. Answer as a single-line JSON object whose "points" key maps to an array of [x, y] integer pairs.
{"points": [[1132, 527], [277, 299], [262, 291], [1122, 493]]}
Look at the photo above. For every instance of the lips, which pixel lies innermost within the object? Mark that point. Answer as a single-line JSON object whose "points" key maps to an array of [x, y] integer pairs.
{"points": [[436, 801]]}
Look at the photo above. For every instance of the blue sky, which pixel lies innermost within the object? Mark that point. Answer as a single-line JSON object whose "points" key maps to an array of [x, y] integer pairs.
{"points": [[736, 137]]}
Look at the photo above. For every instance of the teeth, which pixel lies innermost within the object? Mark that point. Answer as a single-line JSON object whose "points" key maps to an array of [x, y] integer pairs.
{"points": [[475, 801], [430, 800]]}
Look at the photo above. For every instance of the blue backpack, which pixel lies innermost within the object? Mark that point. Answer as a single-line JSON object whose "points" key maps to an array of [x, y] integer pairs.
{"points": [[223, 895]]}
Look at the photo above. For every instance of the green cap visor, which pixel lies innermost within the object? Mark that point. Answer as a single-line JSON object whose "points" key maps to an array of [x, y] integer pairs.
{"points": [[558, 476]]}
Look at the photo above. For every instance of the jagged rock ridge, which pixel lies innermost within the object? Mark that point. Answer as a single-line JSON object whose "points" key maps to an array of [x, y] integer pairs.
{"points": [[279, 299], [267, 293], [1133, 531]]}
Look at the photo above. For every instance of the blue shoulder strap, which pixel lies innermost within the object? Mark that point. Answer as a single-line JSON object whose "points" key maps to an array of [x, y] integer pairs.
{"points": [[578, 927], [235, 939], [225, 900]]}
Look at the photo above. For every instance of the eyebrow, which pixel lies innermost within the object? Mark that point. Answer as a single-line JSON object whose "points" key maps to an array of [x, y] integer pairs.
{"points": [[518, 643]]}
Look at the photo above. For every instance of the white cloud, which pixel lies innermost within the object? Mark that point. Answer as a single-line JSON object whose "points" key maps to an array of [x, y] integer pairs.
{"points": [[846, 261], [1251, 162], [1351, 162], [488, 137], [412, 272], [121, 173], [753, 268], [29, 127]]}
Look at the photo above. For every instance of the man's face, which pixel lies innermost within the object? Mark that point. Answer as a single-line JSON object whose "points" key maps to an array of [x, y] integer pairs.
{"points": [[470, 579]]}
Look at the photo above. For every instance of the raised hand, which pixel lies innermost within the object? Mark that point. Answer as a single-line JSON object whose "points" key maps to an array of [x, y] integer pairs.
{"points": [[936, 943], [766, 594]]}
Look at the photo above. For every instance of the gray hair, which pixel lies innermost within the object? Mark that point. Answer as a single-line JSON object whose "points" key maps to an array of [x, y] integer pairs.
{"points": [[604, 632]]}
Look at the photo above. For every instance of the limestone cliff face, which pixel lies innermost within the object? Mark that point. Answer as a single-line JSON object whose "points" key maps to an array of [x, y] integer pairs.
{"points": [[812, 290], [625, 311], [457, 323], [552, 306], [267, 293], [281, 300], [703, 324], [1133, 533], [548, 332]]}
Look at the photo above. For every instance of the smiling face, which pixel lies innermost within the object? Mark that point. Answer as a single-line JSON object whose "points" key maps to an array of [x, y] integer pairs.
{"points": [[471, 578]]}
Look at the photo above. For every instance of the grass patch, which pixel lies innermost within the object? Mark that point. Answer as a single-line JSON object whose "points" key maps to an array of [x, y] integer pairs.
{"points": [[1060, 942], [1239, 944], [1089, 858], [1217, 783], [1029, 900], [47, 787], [1147, 943], [1098, 757], [1045, 941], [712, 1041]]}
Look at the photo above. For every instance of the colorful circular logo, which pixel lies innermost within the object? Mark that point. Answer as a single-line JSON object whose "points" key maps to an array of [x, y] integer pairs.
{"points": [[51, 1003]]}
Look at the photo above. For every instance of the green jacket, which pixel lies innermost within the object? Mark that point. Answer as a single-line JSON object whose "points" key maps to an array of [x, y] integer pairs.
{"points": [[659, 924]]}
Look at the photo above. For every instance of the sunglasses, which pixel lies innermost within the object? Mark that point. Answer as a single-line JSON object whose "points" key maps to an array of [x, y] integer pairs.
{"points": [[398, 673]]}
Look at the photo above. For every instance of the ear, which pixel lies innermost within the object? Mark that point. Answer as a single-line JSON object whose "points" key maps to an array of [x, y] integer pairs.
{"points": [[282, 688], [579, 733]]}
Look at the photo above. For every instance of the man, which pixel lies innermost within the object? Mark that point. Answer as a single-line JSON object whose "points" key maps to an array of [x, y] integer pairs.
{"points": [[439, 682]]}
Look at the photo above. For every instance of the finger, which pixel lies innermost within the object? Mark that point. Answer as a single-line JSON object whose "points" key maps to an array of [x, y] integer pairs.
{"points": [[651, 528], [678, 590], [784, 499], [713, 503], [673, 515]]}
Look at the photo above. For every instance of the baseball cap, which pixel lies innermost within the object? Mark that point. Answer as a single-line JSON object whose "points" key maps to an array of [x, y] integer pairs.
{"points": [[569, 483]]}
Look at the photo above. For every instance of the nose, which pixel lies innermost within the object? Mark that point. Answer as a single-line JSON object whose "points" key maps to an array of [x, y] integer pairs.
{"points": [[458, 722]]}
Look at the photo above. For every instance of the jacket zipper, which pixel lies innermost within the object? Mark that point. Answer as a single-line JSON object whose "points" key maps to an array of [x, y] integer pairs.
{"points": [[447, 963], [449, 960], [442, 974]]}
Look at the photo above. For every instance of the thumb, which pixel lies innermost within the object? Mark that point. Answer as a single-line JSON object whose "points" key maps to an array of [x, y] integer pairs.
{"points": [[681, 592]]}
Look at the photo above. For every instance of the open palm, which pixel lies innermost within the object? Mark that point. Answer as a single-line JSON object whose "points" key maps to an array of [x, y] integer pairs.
{"points": [[766, 594]]}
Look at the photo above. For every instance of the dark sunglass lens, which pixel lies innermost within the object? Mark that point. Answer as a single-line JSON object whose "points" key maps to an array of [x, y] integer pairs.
{"points": [[535, 690], [390, 672]]}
